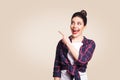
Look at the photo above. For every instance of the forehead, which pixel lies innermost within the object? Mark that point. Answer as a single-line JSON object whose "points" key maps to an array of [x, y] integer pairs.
{"points": [[77, 19]]}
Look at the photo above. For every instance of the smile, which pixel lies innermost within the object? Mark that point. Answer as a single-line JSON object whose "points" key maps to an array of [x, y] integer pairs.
{"points": [[74, 31]]}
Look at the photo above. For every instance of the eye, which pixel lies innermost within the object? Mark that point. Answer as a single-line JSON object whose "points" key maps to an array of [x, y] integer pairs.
{"points": [[78, 23], [72, 22]]}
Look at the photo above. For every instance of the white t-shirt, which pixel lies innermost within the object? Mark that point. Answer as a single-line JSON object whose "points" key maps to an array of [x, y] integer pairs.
{"points": [[64, 74]]}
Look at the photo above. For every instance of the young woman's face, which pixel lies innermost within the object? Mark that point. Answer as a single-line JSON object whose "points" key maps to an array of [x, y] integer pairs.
{"points": [[77, 26]]}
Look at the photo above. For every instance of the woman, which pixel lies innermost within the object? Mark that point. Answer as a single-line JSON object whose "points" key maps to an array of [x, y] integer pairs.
{"points": [[74, 52]]}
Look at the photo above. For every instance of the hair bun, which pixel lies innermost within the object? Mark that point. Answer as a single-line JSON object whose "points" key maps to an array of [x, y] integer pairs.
{"points": [[83, 12]]}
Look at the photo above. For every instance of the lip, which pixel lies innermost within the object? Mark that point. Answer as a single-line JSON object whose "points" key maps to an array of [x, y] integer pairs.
{"points": [[75, 31]]}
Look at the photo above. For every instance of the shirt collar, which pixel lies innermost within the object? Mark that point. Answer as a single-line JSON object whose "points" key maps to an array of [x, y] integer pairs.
{"points": [[83, 41]]}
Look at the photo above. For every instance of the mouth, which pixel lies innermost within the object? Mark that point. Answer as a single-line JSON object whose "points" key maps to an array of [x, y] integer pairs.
{"points": [[75, 31]]}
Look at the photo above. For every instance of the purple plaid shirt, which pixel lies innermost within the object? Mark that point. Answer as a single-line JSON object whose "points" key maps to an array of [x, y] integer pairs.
{"points": [[62, 61]]}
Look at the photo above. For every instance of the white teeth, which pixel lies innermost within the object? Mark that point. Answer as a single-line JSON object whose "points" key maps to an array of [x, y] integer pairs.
{"points": [[75, 30]]}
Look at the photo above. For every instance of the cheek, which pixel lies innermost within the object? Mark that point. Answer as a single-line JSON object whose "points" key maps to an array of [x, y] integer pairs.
{"points": [[70, 26], [82, 28]]}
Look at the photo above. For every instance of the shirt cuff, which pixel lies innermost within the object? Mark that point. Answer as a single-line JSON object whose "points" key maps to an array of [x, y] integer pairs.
{"points": [[56, 74]]}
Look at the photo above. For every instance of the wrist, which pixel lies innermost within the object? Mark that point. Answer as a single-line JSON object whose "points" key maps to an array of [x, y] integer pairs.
{"points": [[69, 44]]}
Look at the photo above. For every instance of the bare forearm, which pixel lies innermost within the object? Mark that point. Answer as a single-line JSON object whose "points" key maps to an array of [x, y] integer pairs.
{"points": [[72, 50], [69, 45], [56, 78]]}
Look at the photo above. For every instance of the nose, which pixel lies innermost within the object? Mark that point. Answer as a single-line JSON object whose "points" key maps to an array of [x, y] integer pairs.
{"points": [[74, 26]]}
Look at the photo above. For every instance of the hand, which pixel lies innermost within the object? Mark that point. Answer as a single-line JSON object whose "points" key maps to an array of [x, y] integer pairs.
{"points": [[64, 38], [71, 48]]}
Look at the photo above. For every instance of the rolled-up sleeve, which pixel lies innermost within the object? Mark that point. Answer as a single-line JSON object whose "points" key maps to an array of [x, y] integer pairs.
{"points": [[57, 64], [86, 52]]}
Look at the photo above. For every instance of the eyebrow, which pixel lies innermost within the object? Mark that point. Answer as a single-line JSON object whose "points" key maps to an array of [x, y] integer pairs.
{"points": [[72, 21]]}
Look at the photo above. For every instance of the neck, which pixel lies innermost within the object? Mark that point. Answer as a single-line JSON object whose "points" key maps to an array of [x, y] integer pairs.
{"points": [[77, 39]]}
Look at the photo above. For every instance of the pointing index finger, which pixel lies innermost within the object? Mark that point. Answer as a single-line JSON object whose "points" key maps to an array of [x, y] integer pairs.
{"points": [[61, 33]]}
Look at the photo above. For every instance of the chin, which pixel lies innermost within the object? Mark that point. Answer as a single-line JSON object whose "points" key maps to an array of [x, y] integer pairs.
{"points": [[75, 35]]}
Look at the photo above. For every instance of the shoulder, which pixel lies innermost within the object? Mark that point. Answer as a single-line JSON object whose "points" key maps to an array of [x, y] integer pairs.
{"points": [[89, 41], [60, 44]]}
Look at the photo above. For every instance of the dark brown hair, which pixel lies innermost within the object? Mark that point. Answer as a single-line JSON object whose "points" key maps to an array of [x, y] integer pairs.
{"points": [[82, 14]]}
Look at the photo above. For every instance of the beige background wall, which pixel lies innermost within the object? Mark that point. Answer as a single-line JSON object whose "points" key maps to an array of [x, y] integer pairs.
{"points": [[28, 37]]}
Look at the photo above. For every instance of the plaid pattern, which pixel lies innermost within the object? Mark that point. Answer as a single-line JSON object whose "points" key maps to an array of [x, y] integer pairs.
{"points": [[62, 61]]}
